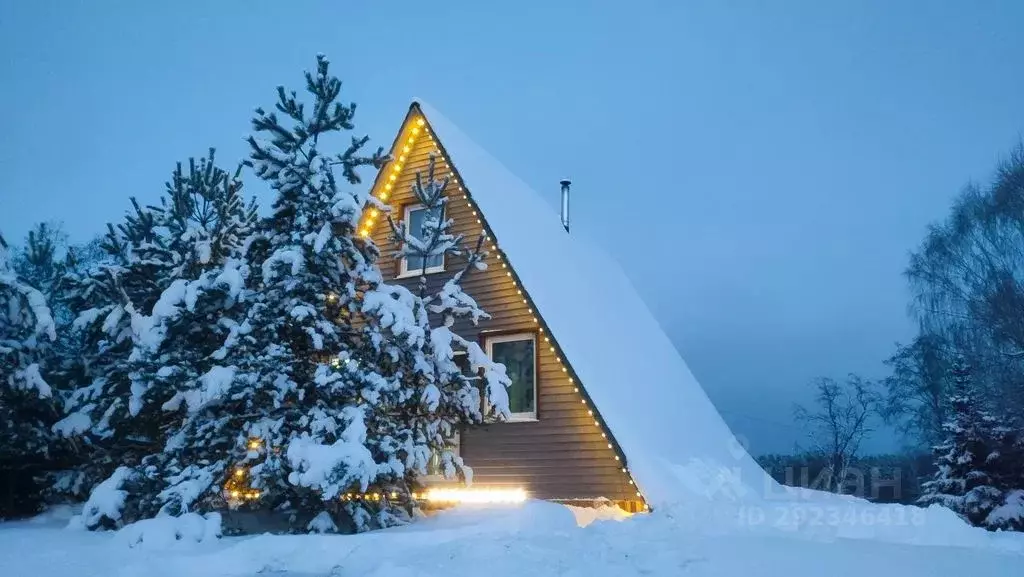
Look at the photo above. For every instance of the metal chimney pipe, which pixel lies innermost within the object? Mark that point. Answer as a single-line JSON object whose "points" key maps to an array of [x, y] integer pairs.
{"points": [[565, 182]]}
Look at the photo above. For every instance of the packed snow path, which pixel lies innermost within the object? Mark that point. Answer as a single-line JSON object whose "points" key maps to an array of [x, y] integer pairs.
{"points": [[535, 539]]}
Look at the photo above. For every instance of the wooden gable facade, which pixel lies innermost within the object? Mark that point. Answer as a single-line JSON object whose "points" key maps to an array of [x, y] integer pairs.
{"points": [[565, 453]]}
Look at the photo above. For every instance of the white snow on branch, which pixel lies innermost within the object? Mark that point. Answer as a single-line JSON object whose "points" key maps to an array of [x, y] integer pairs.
{"points": [[452, 299], [88, 317], [334, 468], [32, 379], [73, 424], [215, 384], [322, 237], [106, 500], [282, 256], [394, 305]]}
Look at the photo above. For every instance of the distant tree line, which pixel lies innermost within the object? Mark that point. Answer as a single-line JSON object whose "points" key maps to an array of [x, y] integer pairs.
{"points": [[956, 390], [892, 478]]}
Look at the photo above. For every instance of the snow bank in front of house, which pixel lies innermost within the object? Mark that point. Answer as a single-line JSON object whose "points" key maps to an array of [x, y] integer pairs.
{"points": [[166, 531], [677, 445], [533, 538], [587, 515]]}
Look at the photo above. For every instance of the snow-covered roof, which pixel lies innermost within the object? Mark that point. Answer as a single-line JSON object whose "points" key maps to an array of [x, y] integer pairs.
{"points": [[674, 440]]}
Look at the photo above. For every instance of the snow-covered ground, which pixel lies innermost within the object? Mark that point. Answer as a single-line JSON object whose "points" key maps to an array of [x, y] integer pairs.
{"points": [[538, 539]]}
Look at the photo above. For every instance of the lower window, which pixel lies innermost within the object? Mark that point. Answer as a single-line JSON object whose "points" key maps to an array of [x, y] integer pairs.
{"points": [[518, 353]]}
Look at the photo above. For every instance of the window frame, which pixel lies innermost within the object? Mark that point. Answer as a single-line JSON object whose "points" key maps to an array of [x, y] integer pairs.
{"points": [[489, 340], [403, 267]]}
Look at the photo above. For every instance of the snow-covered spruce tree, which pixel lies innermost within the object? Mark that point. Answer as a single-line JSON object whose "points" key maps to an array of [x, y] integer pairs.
{"points": [[39, 262], [967, 461], [444, 396], [101, 408], [203, 223], [208, 224], [42, 262], [122, 305], [288, 429], [27, 407], [328, 362], [174, 364]]}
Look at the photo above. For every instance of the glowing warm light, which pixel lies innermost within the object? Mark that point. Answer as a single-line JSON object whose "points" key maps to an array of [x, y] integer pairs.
{"points": [[374, 212], [254, 444], [420, 122], [364, 233], [239, 472], [415, 131], [481, 495], [235, 494]]}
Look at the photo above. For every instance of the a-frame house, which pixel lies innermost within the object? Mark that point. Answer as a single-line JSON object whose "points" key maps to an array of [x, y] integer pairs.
{"points": [[557, 309]]}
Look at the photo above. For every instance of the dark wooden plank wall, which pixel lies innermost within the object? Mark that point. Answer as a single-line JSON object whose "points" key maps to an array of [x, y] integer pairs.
{"points": [[560, 456]]}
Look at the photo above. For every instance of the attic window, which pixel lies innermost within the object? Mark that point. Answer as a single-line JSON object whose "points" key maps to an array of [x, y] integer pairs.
{"points": [[518, 352], [415, 216]]}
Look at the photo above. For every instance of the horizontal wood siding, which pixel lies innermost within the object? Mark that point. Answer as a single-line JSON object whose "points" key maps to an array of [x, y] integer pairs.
{"points": [[560, 456]]}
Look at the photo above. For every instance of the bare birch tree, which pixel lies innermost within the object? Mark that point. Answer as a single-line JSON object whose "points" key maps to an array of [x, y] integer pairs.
{"points": [[840, 420]]}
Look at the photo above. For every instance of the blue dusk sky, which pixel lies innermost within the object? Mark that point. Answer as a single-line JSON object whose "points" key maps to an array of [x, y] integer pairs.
{"points": [[761, 169]]}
